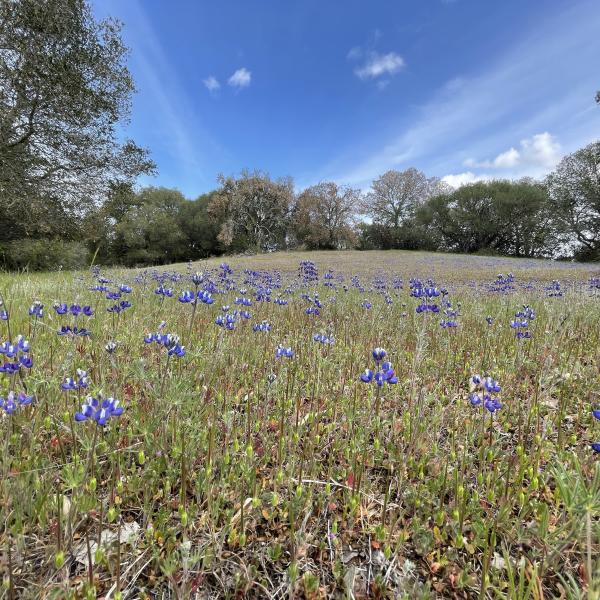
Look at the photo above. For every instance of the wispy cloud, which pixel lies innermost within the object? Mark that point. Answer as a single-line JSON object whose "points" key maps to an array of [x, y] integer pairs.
{"points": [[241, 78], [173, 115], [377, 65], [211, 83]]}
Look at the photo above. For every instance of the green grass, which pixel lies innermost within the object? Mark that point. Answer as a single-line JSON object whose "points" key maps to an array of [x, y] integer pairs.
{"points": [[251, 476]]}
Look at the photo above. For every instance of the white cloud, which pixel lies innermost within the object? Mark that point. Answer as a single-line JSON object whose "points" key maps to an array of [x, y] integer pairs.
{"points": [[541, 150], [241, 78], [380, 64], [212, 83], [461, 179]]}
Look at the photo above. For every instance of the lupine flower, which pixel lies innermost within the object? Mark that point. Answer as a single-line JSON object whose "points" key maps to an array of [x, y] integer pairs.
{"points": [[595, 447], [434, 308], [125, 289], [282, 351], [99, 411], [9, 405], [521, 322], [243, 301], [489, 320], [193, 297], [448, 323], [367, 376], [225, 269], [553, 290], [379, 354], [36, 310], [74, 331], [264, 326], [111, 347], [323, 339], [120, 307], [205, 297], [79, 382], [61, 309], [482, 390], [18, 352], [197, 278], [367, 305], [169, 340], [226, 321], [596, 413], [491, 385], [503, 284], [383, 374], [307, 271], [164, 292]]}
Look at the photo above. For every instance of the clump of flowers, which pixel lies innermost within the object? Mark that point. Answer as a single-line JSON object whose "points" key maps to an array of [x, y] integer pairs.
{"points": [[99, 410], [383, 373], [283, 352], [321, 338], [79, 382], [119, 307], [73, 331], [483, 391], [553, 290], [263, 326], [74, 309], [194, 297], [426, 293], [503, 283], [308, 272], [163, 291], [169, 340], [36, 310], [18, 355], [13, 401], [521, 322], [226, 321]]}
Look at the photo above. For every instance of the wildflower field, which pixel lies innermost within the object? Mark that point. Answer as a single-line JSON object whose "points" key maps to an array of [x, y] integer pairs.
{"points": [[302, 425]]}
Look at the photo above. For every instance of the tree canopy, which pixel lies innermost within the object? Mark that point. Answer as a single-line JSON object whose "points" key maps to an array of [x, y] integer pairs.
{"points": [[64, 89]]}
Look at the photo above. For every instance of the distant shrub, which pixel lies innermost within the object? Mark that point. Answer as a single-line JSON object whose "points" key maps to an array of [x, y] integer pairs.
{"points": [[44, 255]]}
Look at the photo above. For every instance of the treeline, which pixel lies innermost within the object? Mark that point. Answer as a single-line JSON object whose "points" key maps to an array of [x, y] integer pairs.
{"points": [[557, 217], [67, 179]]}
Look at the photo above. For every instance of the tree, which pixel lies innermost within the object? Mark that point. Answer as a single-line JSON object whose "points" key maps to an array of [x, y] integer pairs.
{"points": [[574, 189], [505, 217], [323, 216], [254, 210], [150, 232], [396, 195], [64, 89], [200, 228]]}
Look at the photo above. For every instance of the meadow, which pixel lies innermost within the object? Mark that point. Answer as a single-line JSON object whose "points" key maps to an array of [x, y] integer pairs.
{"points": [[302, 425]]}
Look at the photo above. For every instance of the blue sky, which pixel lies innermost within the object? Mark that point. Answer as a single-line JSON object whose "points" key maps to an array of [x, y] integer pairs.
{"points": [[345, 90]]}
